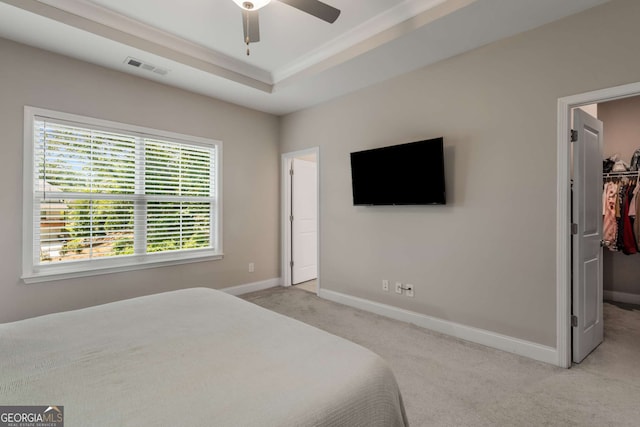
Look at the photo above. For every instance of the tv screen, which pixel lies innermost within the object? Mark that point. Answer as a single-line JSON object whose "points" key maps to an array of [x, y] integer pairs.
{"points": [[405, 174]]}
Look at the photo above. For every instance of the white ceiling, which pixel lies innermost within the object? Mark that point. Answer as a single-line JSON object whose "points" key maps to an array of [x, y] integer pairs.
{"points": [[300, 60]]}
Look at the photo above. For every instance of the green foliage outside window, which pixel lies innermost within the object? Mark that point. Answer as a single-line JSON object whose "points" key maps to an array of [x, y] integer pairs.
{"points": [[72, 165]]}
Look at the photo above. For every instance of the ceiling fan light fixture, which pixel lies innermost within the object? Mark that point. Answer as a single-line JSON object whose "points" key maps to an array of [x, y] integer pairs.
{"points": [[251, 4]]}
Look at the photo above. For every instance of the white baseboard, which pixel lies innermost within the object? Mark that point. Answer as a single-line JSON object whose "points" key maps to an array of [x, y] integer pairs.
{"points": [[480, 336], [253, 287], [622, 297]]}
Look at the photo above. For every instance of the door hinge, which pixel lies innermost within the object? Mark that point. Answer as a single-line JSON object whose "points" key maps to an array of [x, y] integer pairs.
{"points": [[291, 264], [574, 228], [290, 218], [574, 135], [291, 171], [574, 321]]}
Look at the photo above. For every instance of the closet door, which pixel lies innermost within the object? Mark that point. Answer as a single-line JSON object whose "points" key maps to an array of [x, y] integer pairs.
{"points": [[587, 251], [304, 228]]}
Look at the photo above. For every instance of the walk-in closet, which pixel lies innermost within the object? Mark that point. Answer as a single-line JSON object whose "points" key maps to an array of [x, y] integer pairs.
{"points": [[621, 119], [621, 237]]}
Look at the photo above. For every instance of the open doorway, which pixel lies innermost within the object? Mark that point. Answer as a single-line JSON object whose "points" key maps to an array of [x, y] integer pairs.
{"points": [[621, 261], [565, 330], [300, 219]]}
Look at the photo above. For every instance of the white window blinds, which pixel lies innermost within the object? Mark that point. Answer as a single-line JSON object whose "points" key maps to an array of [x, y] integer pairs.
{"points": [[102, 193]]}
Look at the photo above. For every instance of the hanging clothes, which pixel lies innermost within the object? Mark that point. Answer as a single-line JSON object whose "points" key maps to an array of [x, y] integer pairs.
{"points": [[636, 203], [610, 224], [629, 245], [633, 207], [620, 216], [620, 204]]}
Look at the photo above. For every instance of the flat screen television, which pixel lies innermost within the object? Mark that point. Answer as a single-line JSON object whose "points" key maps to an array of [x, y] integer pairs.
{"points": [[405, 174]]}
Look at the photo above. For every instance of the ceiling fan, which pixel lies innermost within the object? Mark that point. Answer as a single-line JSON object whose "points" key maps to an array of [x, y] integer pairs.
{"points": [[250, 14]]}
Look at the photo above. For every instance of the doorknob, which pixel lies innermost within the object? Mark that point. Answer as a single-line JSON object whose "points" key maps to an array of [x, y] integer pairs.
{"points": [[604, 243]]}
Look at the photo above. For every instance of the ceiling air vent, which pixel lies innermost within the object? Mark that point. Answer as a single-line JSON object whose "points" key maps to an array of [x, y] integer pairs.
{"points": [[145, 66]]}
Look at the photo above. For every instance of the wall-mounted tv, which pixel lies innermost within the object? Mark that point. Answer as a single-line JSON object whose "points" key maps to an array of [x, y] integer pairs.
{"points": [[405, 174]]}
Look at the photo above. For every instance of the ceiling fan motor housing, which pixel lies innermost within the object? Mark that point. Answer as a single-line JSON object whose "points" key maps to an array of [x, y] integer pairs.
{"points": [[251, 4]]}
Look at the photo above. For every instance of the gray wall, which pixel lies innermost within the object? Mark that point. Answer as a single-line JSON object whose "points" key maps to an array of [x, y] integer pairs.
{"points": [[621, 120], [488, 258], [34, 77]]}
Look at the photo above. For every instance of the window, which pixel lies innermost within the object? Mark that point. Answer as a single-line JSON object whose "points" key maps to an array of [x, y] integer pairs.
{"points": [[102, 196]]}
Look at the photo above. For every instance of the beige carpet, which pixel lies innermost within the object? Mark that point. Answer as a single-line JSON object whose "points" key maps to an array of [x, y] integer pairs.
{"points": [[310, 286], [449, 382]]}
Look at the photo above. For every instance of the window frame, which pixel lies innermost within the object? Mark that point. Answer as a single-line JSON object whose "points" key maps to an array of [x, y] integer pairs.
{"points": [[33, 272]]}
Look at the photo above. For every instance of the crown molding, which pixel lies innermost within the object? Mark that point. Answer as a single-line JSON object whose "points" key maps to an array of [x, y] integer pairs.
{"points": [[396, 27], [356, 36], [91, 17], [98, 20]]}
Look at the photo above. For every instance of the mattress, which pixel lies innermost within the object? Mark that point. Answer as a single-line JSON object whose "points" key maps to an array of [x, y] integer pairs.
{"points": [[194, 357]]}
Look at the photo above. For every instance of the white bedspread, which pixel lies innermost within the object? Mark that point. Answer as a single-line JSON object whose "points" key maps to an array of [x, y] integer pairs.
{"points": [[195, 357]]}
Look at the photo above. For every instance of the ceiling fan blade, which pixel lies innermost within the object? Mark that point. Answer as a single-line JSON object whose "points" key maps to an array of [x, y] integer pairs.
{"points": [[251, 26], [316, 8]]}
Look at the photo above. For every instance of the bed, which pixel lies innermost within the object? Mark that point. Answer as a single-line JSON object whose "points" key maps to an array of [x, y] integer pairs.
{"points": [[194, 357]]}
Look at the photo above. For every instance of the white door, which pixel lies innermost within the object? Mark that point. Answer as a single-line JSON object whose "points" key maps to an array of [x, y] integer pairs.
{"points": [[304, 228], [587, 252]]}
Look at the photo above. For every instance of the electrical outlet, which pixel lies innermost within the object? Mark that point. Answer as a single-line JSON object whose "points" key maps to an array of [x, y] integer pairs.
{"points": [[385, 285], [409, 289], [252, 267], [398, 288]]}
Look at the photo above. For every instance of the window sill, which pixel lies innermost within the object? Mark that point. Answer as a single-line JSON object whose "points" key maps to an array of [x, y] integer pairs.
{"points": [[106, 266]]}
